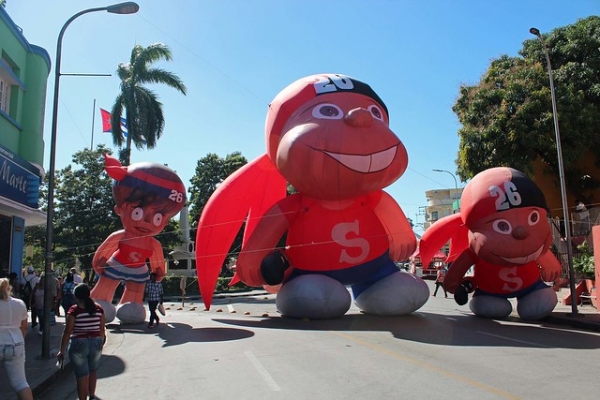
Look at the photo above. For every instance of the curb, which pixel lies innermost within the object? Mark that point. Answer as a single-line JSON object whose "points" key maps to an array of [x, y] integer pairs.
{"points": [[580, 321], [40, 387]]}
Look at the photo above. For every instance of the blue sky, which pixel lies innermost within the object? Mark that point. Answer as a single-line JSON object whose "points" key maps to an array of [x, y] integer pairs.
{"points": [[235, 56]]}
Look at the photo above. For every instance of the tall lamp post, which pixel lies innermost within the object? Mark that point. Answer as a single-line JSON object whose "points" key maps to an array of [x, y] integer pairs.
{"points": [[121, 8], [443, 170], [561, 174]]}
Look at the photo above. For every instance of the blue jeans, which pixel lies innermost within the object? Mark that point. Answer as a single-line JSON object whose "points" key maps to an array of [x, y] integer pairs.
{"points": [[12, 357], [84, 355]]}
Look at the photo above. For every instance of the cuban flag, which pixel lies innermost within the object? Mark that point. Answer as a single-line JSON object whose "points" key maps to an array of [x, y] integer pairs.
{"points": [[106, 125]]}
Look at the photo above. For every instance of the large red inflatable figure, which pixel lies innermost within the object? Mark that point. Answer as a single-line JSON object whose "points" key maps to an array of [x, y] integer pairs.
{"points": [[327, 135], [146, 195], [502, 230]]}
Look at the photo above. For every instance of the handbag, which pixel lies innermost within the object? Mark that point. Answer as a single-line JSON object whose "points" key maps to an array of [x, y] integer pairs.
{"points": [[161, 309]]}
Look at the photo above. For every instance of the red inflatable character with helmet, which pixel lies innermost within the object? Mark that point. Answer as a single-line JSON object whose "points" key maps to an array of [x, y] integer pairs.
{"points": [[503, 232], [328, 136], [146, 196]]}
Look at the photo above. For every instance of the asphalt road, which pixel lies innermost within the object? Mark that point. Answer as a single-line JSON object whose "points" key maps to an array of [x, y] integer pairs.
{"points": [[243, 349]]}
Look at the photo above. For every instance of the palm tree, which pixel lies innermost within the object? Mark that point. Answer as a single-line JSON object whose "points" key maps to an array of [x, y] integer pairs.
{"points": [[143, 111]]}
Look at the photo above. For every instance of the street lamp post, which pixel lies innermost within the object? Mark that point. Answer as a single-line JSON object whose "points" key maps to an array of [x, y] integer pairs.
{"points": [[443, 170], [561, 174], [121, 8]]}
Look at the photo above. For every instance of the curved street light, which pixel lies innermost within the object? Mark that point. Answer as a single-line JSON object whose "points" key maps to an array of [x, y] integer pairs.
{"points": [[561, 174], [120, 8], [443, 170]]}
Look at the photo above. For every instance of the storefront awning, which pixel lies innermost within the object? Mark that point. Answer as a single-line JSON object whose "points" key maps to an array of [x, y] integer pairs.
{"points": [[32, 216]]}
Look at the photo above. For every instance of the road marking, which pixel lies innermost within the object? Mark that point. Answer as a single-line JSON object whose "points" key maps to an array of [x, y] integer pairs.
{"points": [[429, 366], [230, 308], [513, 340], [262, 371]]}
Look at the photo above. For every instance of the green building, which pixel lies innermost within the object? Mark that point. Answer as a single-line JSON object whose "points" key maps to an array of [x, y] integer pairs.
{"points": [[24, 70]]}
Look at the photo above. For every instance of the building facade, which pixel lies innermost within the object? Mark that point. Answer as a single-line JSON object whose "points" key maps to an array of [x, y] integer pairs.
{"points": [[24, 70], [441, 203]]}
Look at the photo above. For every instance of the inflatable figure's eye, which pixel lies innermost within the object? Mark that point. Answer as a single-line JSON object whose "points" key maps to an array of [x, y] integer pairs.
{"points": [[502, 226], [327, 111], [137, 214], [157, 220], [534, 218], [376, 112]]}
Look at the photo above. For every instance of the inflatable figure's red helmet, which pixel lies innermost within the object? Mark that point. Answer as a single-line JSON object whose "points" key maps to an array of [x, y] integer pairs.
{"points": [[299, 92], [498, 189]]}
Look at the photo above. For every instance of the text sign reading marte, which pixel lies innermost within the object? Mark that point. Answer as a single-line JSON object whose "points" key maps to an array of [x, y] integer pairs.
{"points": [[19, 180]]}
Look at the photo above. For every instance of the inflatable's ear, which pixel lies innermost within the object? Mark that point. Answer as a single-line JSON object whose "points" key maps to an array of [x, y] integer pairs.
{"points": [[113, 168], [242, 198], [437, 235]]}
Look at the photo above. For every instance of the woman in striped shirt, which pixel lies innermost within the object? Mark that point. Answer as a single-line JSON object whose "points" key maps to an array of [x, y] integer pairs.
{"points": [[85, 335]]}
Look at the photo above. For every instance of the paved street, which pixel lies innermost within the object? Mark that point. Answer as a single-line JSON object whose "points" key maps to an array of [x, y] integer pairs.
{"points": [[241, 348]]}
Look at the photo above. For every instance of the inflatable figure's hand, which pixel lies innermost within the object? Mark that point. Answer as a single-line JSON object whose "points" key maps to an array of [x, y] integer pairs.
{"points": [[550, 267], [160, 273], [461, 295], [273, 266], [402, 251], [99, 265]]}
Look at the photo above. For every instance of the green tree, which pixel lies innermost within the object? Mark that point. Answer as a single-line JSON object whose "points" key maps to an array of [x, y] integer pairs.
{"points": [[143, 111], [210, 171], [507, 118]]}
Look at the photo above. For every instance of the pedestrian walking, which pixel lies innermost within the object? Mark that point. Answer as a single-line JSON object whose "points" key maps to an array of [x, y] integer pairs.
{"points": [[67, 295], [13, 328], [83, 339], [439, 281], [154, 295], [37, 303], [30, 280]]}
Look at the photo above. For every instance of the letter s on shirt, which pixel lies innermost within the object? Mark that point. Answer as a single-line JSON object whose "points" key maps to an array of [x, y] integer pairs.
{"points": [[511, 281], [339, 234]]}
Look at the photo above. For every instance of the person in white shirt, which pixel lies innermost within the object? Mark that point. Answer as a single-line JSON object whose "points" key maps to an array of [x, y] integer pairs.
{"points": [[76, 277], [29, 283], [13, 327]]}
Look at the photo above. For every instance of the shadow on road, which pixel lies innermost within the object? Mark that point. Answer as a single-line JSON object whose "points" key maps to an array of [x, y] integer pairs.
{"points": [[174, 334], [457, 330]]}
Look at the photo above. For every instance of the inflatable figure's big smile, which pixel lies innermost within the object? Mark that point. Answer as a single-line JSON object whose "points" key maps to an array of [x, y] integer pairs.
{"points": [[365, 163]]}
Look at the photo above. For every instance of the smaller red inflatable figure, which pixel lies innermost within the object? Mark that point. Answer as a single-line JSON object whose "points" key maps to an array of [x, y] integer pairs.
{"points": [[502, 230], [147, 195]]}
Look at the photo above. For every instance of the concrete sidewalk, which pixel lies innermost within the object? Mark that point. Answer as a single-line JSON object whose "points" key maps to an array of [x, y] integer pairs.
{"points": [[41, 373]]}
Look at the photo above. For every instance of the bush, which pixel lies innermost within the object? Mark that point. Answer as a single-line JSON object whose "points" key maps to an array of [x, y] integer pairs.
{"points": [[583, 262]]}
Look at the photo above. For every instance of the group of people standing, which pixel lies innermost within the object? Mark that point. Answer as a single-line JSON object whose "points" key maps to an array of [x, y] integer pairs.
{"points": [[32, 289], [84, 333], [82, 340]]}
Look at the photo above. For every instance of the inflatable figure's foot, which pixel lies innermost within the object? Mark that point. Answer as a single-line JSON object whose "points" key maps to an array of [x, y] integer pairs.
{"points": [[537, 305], [313, 296], [490, 307], [398, 294], [109, 310], [131, 313]]}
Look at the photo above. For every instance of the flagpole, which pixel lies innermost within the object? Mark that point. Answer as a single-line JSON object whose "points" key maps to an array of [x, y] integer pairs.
{"points": [[93, 121]]}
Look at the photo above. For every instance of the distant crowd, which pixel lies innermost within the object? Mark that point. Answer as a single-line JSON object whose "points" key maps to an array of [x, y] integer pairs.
{"points": [[30, 287]]}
